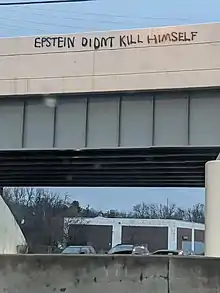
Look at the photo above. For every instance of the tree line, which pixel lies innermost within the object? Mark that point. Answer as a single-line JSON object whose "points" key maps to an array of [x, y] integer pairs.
{"points": [[40, 213]]}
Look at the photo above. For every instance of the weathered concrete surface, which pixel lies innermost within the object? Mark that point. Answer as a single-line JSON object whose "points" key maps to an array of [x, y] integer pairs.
{"points": [[194, 275], [10, 233], [82, 274], [98, 274]]}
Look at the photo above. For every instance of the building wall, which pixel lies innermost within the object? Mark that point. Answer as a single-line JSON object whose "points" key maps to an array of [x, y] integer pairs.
{"points": [[200, 235], [155, 237], [191, 239], [183, 234], [125, 230], [145, 59], [98, 236]]}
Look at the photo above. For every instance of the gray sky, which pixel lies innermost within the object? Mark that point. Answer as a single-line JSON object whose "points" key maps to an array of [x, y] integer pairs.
{"points": [[112, 15]]}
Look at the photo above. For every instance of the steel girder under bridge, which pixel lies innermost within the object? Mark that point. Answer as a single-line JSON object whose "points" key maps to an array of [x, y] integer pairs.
{"points": [[142, 167]]}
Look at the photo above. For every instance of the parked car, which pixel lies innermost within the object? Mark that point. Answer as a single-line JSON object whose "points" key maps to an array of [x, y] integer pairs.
{"points": [[140, 250], [168, 252], [129, 249], [79, 250]]}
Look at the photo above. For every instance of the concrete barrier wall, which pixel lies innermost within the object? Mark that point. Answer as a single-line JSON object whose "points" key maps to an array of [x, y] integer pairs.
{"points": [[98, 274], [194, 275]]}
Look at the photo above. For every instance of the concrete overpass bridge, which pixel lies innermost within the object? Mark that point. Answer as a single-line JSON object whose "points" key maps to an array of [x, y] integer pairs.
{"points": [[141, 106], [122, 89], [123, 108]]}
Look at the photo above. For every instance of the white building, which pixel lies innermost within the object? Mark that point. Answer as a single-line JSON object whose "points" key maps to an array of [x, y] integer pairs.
{"points": [[157, 233]]}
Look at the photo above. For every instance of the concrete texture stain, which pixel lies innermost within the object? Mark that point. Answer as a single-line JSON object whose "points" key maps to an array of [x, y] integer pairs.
{"points": [[76, 283]]}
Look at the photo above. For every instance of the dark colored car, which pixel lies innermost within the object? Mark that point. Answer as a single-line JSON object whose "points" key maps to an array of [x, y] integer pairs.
{"points": [[129, 249], [169, 252], [79, 250]]}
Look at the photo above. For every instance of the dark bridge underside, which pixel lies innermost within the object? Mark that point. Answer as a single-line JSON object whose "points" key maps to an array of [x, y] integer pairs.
{"points": [[143, 167]]}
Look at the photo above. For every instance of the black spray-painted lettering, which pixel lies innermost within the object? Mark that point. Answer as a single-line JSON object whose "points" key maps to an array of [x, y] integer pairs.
{"points": [[56, 42], [128, 40], [109, 42], [97, 43], [171, 37]]}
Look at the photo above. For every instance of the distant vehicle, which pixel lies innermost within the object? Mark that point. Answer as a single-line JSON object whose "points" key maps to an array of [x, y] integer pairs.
{"points": [[79, 250], [121, 249], [169, 252], [129, 249], [140, 250]]}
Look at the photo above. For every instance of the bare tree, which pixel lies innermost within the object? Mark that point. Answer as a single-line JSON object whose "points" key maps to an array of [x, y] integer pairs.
{"points": [[153, 211], [141, 211], [196, 214], [39, 212]]}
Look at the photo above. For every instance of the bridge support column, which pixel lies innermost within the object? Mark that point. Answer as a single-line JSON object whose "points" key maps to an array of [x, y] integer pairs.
{"points": [[212, 208]]}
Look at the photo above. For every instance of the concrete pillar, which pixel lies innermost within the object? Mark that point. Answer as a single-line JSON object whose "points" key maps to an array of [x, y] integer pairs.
{"points": [[212, 209], [116, 234], [193, 240], [172, 236]]}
